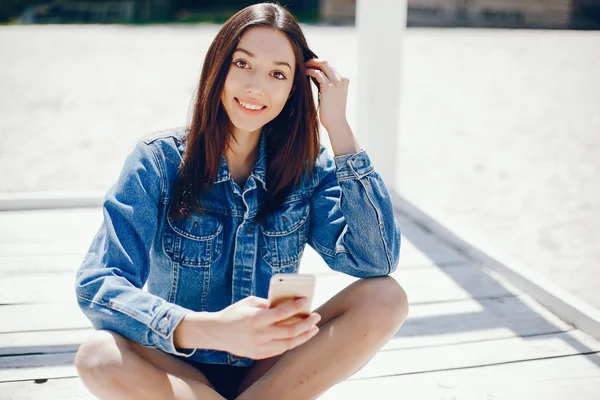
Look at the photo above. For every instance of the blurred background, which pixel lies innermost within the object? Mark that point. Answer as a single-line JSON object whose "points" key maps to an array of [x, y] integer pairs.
{"points": [[500, 100], [554, 14]]}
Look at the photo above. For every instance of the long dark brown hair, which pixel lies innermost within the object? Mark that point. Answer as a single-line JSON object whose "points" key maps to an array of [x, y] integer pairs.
{"points": [[292, 137]]}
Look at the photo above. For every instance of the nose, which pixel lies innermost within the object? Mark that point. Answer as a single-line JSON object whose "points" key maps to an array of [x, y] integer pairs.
{"points": [[255, 85]]}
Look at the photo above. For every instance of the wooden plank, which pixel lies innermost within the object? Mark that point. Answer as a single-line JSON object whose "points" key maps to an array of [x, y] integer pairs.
{"points": [[42, 342], [63, 389], [49, 225], [576, 377], [16, 260], [385, 362], [427, 325], [37, 360], [426, 284], [44, 372], [516, 316], [410, 361], [69, 233], [419, 247], [23, 264], [466, 321], [41, 317], [16, 266], [422, 285], [75, 247], [58, 287]]}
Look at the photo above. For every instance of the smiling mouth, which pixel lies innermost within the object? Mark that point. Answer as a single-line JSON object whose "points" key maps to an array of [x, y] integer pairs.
{"points": [[248, 110]]}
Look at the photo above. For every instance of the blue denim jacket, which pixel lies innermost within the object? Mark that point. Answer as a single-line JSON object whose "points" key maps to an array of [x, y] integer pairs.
{"points": [[211, 260]]}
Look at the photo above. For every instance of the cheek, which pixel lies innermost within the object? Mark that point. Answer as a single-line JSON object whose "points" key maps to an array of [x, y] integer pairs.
{"points": [[232, 82], [280, 97]]}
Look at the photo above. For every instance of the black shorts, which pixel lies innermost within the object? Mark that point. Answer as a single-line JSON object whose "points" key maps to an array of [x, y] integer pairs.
{"points": [[225, 378]]}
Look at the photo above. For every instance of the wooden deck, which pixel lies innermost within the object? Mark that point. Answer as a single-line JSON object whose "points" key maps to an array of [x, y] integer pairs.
{"points": [[469, 335]]}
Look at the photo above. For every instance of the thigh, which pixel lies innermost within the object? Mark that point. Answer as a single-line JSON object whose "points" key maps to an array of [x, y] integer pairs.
{"points": [[331, 309], [112, 366], [170, 364]]}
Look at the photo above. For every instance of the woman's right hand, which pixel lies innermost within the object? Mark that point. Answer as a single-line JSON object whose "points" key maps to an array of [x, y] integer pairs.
{"points": [[250, 329]]}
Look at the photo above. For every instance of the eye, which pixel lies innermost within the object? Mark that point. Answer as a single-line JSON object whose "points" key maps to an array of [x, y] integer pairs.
{"points": [[240, 63], [279, 75]]}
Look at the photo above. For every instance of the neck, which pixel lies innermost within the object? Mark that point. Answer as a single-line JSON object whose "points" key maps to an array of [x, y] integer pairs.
{"points": [[241, 154]]}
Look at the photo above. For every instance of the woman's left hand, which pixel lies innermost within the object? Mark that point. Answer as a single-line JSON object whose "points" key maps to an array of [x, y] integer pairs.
{"points": [[334, 93]]}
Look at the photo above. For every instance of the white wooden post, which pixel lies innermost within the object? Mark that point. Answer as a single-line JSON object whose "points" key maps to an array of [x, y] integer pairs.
{"points": [[380, 26]]}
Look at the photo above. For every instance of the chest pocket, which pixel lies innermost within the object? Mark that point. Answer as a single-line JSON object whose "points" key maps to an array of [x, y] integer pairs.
{"points": [[194, 241], [284, 236]]}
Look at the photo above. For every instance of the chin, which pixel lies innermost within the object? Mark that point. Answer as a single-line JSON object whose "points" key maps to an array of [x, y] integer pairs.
{"points": [[249, 129]]}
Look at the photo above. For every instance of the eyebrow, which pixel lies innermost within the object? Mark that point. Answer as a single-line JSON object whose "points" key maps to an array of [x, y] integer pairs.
{"points": [[253, 56]]}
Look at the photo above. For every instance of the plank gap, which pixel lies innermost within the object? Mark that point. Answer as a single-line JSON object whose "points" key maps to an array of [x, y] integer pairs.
{"points": [[475, 366], [458, 300], [492, 339]]}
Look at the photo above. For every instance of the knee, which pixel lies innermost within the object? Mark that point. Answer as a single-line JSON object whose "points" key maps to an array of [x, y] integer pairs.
{"points": [[100, 354], [386, 299]]}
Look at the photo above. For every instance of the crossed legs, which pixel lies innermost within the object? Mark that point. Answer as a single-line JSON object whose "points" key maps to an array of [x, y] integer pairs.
{"points": [[355, 324]]}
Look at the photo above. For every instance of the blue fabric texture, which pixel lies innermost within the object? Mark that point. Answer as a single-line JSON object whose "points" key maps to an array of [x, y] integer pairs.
{"points": [[209, 261]]}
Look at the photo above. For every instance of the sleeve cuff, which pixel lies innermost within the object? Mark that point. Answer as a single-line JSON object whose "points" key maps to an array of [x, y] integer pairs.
{"points": [[163, 325], [353, 165]]}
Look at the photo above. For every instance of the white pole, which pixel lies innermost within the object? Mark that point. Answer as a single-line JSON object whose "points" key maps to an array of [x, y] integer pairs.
{"points": [[380, 26]]}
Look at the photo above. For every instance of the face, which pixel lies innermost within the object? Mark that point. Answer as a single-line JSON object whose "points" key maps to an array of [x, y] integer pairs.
{"points": [[259, 80]]}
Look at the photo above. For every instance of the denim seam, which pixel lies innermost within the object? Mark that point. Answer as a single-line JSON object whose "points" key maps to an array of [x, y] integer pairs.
{"points": [[204, 300], [174, 281], [355, 175], [379, 223], [160, 171]]}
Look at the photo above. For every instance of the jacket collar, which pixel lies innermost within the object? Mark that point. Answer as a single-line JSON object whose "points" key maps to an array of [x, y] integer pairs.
{"points": [[259, 171]]}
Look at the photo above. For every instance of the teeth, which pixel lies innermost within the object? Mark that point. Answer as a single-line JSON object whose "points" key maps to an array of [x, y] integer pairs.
{"points": [[249, 106]]}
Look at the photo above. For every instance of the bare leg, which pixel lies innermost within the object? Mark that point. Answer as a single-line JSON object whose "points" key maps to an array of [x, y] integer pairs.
{"points": [[355, 324], [112, 367]]}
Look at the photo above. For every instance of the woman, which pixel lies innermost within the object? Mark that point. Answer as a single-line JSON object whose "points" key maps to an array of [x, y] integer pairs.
{"points": [[205, 216]]}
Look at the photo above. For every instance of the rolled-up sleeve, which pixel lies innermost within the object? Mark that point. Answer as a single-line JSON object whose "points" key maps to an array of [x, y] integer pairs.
{"points": [[110, 280], [352, 219]]}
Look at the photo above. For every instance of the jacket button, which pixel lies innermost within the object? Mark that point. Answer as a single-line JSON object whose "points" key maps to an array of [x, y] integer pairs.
{"points": [[249, 230], [163, 323], [247, 273]]}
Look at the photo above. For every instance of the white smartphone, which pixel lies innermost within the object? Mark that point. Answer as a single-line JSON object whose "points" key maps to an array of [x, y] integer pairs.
{"points": [[288, 287]]}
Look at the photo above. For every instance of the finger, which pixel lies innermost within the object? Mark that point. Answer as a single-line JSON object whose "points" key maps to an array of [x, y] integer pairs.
{"points": [[283, 311], [324, 66], [276, 332], [256, 301], [319, 76], [284, 345]]}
